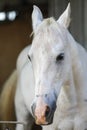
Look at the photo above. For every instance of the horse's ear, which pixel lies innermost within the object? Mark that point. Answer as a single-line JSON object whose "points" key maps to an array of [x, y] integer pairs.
{"points": [[64, 19], [37, 17]]}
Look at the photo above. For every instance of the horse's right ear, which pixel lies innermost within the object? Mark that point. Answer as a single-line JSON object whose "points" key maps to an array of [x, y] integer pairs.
{"points": [[37, 17]]}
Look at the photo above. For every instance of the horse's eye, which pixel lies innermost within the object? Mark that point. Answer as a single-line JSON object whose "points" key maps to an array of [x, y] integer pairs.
{"points": [[60, 57], [29, 57]]}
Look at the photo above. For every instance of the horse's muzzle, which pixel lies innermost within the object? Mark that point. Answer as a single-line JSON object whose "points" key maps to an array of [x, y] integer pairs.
{"points": [[43, 112]]}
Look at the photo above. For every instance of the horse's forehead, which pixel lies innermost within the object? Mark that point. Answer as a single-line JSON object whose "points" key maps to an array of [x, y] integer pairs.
{"points": [[48, 46], [48, 37], [47, 41]]}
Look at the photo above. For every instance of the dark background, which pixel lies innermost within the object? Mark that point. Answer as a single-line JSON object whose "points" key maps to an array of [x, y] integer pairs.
{"points": [[15, 35]]}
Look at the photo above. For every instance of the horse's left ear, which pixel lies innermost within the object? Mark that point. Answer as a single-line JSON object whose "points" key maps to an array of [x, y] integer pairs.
{"points": [[37, 17], [64, 19]]}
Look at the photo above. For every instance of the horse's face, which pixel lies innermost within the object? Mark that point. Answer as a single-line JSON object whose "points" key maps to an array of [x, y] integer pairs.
{"points": [[50, 60]]}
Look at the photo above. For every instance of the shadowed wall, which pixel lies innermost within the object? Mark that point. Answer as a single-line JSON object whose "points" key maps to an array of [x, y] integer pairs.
{"points": [[14, 37]]}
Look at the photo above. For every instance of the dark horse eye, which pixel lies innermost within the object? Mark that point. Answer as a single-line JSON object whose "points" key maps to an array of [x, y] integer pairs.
{"points": [[60, 57], [29, 58]]}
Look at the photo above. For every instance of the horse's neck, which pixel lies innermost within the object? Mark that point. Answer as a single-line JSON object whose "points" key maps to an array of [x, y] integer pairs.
{"points": [[75, 91], [79, 64]]}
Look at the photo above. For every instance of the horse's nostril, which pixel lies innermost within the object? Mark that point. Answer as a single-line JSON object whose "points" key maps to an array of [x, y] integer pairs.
{"points": [[47, 112]]}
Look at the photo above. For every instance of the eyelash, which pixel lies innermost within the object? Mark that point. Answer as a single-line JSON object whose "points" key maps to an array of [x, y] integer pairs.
{"points": [[29, 58], [60, 57]]}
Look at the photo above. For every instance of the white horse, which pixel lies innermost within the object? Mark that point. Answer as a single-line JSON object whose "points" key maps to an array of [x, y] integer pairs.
{"points": [[52, 84]]}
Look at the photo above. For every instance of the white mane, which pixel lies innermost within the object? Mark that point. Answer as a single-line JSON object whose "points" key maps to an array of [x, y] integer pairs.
{"points": [[47, 26]]}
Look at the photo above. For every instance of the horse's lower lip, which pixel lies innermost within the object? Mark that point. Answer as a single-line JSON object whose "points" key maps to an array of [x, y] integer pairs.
{"points": [[40, 123], [46, 123]]}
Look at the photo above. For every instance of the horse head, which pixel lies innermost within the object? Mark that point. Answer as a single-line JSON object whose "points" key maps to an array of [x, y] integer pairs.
{"points": [[50, 58]]}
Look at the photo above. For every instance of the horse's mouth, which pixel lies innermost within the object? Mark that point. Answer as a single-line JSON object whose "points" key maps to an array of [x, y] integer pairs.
{"points": [[45, 123], [44, 120]]}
